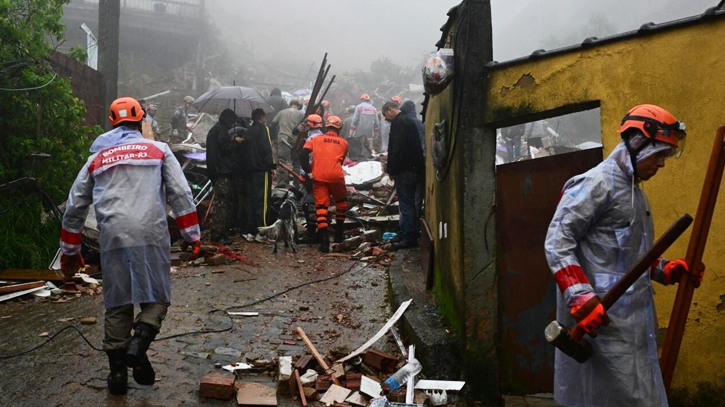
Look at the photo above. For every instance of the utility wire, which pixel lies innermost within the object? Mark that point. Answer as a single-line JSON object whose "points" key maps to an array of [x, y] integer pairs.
{"points": [[204, 331], [55, 75]]}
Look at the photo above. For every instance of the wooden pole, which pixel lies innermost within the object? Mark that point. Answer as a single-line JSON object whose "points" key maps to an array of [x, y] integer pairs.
{"points": [[316, 354], [695, 251]]}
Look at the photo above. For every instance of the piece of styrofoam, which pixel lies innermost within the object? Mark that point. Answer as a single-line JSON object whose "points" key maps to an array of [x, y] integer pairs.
{"points": [[439, 385]]}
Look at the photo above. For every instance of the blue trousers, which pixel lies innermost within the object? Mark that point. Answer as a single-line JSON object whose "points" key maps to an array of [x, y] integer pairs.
{"points": [[406, 184]]}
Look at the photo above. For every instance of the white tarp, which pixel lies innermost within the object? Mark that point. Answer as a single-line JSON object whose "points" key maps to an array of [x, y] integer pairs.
{"points": [[363, 173]]}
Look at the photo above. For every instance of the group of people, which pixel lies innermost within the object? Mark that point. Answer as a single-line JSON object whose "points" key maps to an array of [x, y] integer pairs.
{"points": [[130, 179], [601, 227]]}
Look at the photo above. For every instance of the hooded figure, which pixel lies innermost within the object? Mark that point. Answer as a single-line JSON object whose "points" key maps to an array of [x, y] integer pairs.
{"points": [[602, 226], [221, 163], [277, 102]]}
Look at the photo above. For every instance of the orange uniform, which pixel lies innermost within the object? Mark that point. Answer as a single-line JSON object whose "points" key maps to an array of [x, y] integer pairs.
{"points": [[328, 152]]}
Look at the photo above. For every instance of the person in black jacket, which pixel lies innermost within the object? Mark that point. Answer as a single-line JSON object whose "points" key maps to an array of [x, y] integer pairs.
{"points": [[408, 108], [239, 213], [259, 164], [220, 162], [406, 164]]}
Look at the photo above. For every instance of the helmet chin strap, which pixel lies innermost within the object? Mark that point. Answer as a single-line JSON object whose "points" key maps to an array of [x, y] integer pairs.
{"points": [[633, 153]]}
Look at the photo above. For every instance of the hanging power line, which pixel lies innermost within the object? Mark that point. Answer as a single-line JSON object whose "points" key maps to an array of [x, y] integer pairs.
{"points": [[55, 75]]}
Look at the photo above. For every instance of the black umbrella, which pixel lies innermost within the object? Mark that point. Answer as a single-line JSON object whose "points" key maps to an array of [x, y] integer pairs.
{"points": [[238, 98]]}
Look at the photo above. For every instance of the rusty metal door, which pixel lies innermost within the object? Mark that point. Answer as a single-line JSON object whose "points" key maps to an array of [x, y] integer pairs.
{"points": [[527, 194]]}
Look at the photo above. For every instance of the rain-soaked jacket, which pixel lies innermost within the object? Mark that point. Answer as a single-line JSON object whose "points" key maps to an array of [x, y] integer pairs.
{"points": [[601, 227], [365, 120], [129, 181]]}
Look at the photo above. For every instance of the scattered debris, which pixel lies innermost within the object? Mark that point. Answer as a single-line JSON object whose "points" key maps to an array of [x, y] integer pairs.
{"points": [[216, 260], [243, 314], [357, 399], [380, 360], [44, 334], [370, 387], [89, 321], [217, 385], [336, 394], [255, 394], [310, 377], [439, 385], [238, 366]]}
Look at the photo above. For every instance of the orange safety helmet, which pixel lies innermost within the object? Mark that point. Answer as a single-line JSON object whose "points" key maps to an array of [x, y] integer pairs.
{"points": [[365, 97], [397, 99], [334, 122], [657, 124], [314, 121], [125, 109]]}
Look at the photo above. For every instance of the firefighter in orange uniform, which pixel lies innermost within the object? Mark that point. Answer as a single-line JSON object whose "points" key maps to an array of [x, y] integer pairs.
{"points": [[328, 151]]}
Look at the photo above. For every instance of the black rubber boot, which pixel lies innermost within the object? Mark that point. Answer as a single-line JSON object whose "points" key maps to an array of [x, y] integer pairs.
{"points": [[339, 232], [324, 237], [118, 378], [136, 357]]}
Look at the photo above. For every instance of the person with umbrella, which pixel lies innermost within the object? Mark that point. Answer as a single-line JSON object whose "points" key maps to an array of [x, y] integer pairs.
{"points": [[260, 167], [220, 163]]}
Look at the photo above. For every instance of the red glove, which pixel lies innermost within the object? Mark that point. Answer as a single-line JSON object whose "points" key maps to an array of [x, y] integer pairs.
{"points": [[590, 315], [196, 249], [70, 265], [675, 268]]}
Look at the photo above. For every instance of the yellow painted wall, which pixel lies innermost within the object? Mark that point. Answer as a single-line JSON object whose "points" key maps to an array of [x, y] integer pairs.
{"points": [[444, 204], [681, 70]]}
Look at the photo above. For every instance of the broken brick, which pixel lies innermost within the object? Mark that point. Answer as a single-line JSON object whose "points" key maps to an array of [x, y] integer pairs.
{"points": [[310, 393], [323, 383], [378, 251], [216, 260], [303, 362], [352, 381], [216, 385], [380, 360]]}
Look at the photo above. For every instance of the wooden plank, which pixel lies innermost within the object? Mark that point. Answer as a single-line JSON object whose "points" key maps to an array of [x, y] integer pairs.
{"points": [[303, 399], [31, 275], [21, 287], [336, 394], [316, 354], [255, 394]]}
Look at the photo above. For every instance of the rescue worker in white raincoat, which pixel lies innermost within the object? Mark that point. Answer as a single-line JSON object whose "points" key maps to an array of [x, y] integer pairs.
{"points": [[129, 180], [602, 226]]}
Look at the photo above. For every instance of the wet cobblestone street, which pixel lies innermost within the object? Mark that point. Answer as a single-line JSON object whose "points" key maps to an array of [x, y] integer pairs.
{"points": [[342, 312]]}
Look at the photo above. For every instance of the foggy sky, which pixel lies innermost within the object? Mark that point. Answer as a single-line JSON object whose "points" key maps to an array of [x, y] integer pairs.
{"points": [[356, 33]]}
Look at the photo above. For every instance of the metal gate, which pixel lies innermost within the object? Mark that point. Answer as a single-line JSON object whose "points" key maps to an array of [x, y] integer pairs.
{"points": [[527, 194]]}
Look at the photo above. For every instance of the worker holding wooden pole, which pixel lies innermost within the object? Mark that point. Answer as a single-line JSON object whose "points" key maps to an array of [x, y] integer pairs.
{"points": [[602, 227]]}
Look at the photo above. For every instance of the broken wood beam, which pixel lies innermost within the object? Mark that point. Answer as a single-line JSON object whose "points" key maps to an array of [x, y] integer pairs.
{"points": [[20, 287], [303, 399], [31, 275], [315, 353]]}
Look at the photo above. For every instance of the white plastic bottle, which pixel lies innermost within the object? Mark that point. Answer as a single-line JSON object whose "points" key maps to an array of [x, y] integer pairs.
{"points": [[400, 377]]}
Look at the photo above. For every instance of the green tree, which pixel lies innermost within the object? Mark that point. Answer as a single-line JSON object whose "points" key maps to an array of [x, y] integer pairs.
{"points": [[39, 115]]}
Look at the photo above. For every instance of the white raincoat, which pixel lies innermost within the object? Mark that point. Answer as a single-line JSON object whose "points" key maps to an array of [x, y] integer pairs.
{"points": [[129, 180], [601, 227]]}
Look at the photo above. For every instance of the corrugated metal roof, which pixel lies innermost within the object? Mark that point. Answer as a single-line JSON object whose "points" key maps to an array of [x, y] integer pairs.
{"points": [[645, 29]]}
